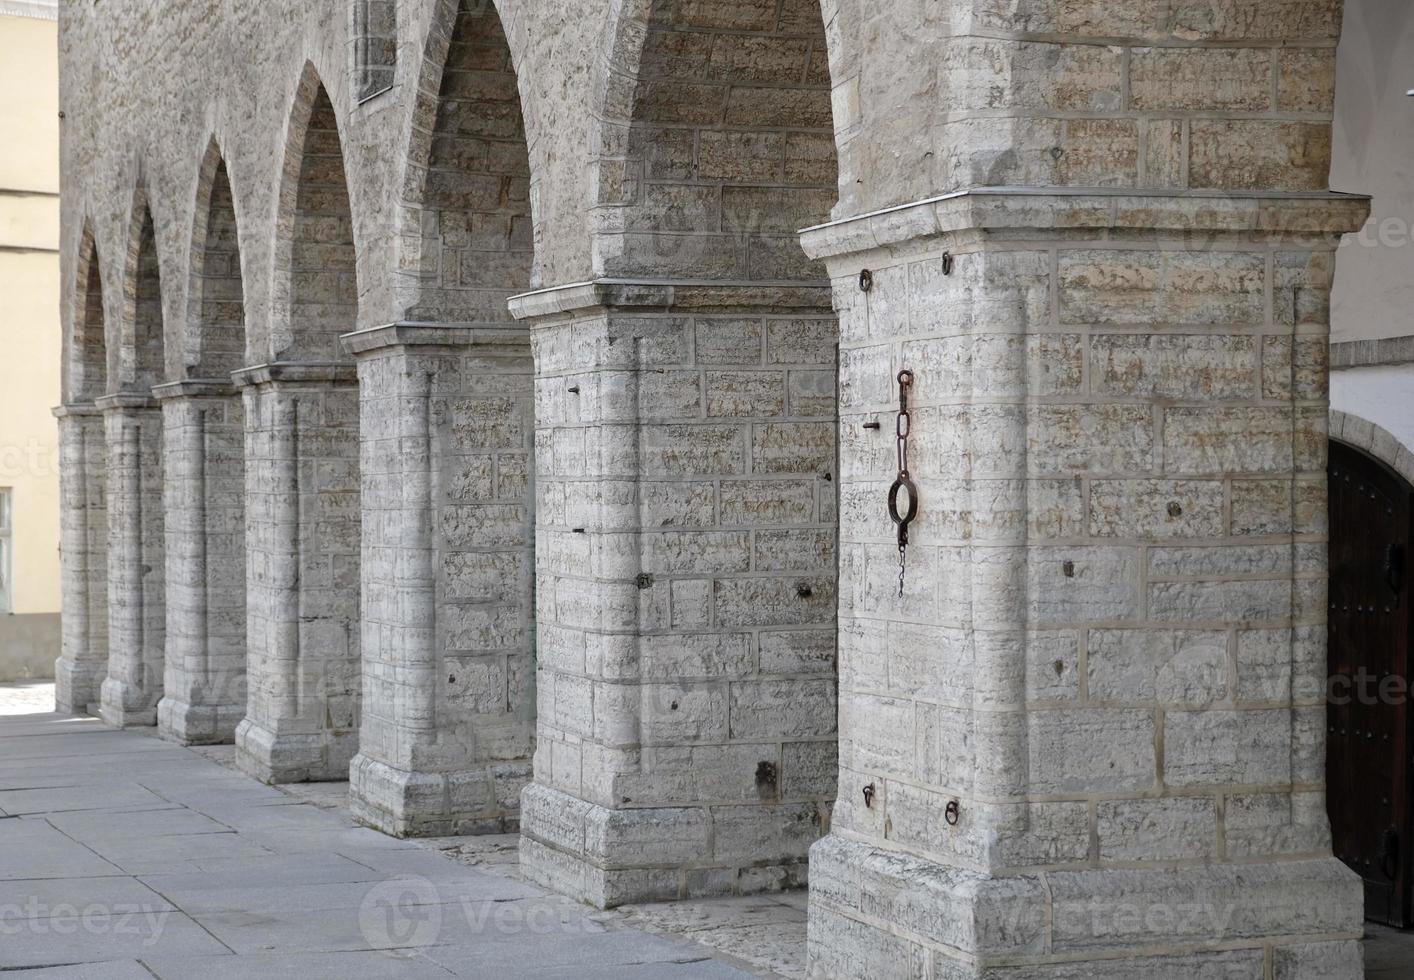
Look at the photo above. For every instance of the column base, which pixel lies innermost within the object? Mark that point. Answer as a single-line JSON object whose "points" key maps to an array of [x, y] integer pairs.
{"points": [[317, 757], [609, 857], [887, 915], [78, 685], [437, 804], [122, 705], [198, 724]]}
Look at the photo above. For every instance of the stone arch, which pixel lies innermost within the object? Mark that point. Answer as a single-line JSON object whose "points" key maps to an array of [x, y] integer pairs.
{"points": [[716, 138], [468, 238], [215, 335], [1371, 438], [314, 282], [86, 367], [142, 357]]}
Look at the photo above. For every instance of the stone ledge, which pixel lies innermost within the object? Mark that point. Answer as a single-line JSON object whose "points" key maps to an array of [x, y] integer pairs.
{"points": [[699, 295], [125, 400], [76, 410], [296, 372], [1387, 351], [1054, 209], [195, 388], [901, 909], [420, 334]]}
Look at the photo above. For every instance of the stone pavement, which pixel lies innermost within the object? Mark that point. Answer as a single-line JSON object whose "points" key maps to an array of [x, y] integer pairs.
{"points": [[123, 856]]}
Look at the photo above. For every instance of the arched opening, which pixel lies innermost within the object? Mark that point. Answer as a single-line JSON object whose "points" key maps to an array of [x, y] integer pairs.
{"points": [[322, 271], [473, 172], [137, 616], [88, 350], [217, 294], [145, 303], [303, 528], [730, 147], [83, 480], [205, 687], [449, 596]]}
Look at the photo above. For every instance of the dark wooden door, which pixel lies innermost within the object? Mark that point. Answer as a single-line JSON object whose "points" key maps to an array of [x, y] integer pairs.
{"points": [[1368, 761]]}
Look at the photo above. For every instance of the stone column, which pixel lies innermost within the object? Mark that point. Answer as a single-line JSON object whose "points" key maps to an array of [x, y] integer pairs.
{"points": [[1088, 739], [448, 588], [205, 684], [136, 569], [685, 550], [83, 531], [302, 581]]}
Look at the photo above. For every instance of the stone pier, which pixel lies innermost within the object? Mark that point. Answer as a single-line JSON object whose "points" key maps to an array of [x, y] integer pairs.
{"points": [[83, 477], [137, 575], [448, 564], [685, 485], [204, 692], [302, 529]]}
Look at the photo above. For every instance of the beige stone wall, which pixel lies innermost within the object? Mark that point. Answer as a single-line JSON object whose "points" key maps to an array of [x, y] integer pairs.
{"points": [[29, 316]]}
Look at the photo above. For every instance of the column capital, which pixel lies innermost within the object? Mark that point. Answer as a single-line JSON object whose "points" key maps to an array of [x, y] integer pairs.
{"points": [[124, 399], [410, 333], [194, 388], [1058, 210], [703, 295], [298, 372]]}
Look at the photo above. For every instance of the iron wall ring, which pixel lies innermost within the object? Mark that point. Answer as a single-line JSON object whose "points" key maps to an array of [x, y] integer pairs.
{"points": [[903, 483]]}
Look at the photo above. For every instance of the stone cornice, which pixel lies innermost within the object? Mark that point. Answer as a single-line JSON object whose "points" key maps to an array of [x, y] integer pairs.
{"points": [[76, 410], [125, 399], [695, 295], [194, 388], [1047, 210], [1372, 353], [419, 334], [296, 372], [38, 9]]}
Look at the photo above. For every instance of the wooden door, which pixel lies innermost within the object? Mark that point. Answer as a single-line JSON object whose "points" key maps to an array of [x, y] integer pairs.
{"points": [[1367, 761]]}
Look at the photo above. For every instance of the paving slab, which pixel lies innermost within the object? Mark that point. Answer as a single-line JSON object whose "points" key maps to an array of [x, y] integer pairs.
{"points": [[123, 855]]}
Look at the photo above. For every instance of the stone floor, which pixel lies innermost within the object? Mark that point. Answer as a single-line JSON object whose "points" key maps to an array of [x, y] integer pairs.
{"points": [[123, 856]]}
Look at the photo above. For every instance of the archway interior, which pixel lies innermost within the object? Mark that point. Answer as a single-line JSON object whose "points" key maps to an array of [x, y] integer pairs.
{"points": [[148, 354], [477, 239], [90, 354], [323, 270], [732, 139], [221, 312]]}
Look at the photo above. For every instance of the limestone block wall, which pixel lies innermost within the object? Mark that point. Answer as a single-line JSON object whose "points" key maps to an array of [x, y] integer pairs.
{"points": [[448, 583], [1079, 93], [685, 551]]}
